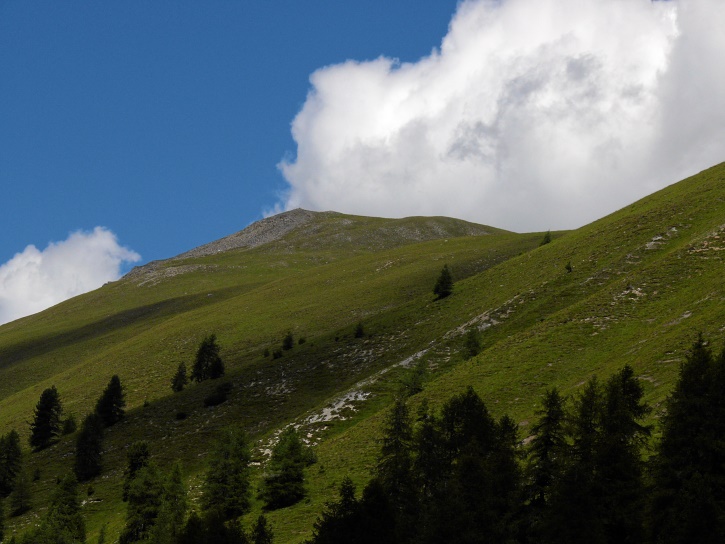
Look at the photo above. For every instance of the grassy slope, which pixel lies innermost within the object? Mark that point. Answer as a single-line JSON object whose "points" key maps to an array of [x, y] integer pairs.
{"points": [[631, 298]]}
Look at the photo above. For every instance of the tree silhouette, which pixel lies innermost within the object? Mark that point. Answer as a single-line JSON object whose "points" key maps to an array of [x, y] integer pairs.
{"points": [[111, 403], [46, 424], [208, 364], [444, 284]]}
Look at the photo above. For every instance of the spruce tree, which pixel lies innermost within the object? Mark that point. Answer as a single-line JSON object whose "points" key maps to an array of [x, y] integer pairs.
{"points": [[689, 468], [261, 531], [138, 456], [226, 488], [172, 511], [63, 522], [110, 406], [180, 380], [143, 498], [89, 446], [576, 511], [207, 364], [46, 423], [20, 497], [283, 483], [444, 284], [11, 457], [619, 464]]}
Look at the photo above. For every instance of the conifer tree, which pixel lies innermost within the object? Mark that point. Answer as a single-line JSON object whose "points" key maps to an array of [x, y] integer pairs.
{"points": [[226, 488], [110, 406], [180, 380], [10, 461], [138, 456], [20, 497], [619, 464], [89, 445], [63, 522], [261, 531], [689, 468], [576, 511], [444, 284], [143, 498], [172, 511], [283, 483], [47, 419], [207, 364]]}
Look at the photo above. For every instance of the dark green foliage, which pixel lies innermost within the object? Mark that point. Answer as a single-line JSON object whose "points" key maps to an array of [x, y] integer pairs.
{"points": [[20, 497], [547, 455], [472, 343], [179, 380], [144, 496], [110, 406], [301, 341], [46, 423], [568, 267], [219, 395], [11, 457], [359, 330], [288, 342], [63, 522], [395, 461], [208, 363], [277, 354], [444, 285], [226, 487], [69, 425], [138, 456], [412, 381], [283, 483], [2, 520], [89, 446], [169, 524], [689, 469], [261, 532], [546, 239]]}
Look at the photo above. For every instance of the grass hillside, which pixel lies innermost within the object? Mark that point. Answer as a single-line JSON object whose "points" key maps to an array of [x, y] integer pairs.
{"points": [[642, 282]]}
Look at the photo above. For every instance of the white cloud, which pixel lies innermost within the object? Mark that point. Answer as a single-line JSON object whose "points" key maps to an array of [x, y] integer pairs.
{"points": [[532, 114], [35, 280]]}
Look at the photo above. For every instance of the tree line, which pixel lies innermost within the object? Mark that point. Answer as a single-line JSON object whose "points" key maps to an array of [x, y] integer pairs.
{"points": [[460, 475]]}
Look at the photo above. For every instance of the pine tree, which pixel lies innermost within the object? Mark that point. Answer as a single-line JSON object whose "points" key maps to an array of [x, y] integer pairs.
{"points": [[89, 445], [689, 468], [138, 456], [261, 531], [20, 497], [172, 511], [576, 511], [208, 364], [10, 461], [180, 380], [546, 239], [283, 484], [111, 403], [47, 421], [619, 465], [226, 488], [63, 522], [144, 496], [444, 284]]}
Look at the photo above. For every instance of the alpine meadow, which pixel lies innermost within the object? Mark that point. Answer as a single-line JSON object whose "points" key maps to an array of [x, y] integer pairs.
{"points": [[250, 389]]}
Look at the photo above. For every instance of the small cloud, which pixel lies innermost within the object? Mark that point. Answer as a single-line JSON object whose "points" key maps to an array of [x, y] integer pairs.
{"points": [[34, 280]]}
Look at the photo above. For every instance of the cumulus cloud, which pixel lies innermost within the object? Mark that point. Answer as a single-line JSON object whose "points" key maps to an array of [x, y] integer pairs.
{"points": [[532, 114], [35, 280]]}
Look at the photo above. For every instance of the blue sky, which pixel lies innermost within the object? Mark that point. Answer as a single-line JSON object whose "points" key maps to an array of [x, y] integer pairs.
{"points": [[164, 121], [133, 131]]}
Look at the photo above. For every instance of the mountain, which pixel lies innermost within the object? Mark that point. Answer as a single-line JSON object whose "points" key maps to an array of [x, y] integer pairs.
{"points": [[632, 288]]}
